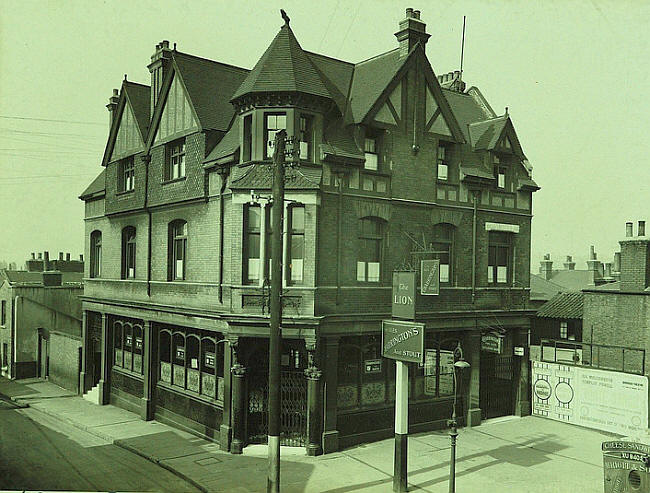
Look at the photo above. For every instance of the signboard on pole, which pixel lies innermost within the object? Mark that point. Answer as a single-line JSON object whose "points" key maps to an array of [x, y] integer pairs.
{"points": [[402, 341], [430, 277], [403, 301]]}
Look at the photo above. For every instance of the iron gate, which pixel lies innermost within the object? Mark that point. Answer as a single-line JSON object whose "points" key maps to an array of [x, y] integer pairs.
{"points": [[293, 408], [496, 390]]}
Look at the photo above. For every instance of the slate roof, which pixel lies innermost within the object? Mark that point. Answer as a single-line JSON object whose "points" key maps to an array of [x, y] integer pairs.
{"points": [[210, 85], [466, 110], [259, 176], [484, 135], [541, 289], [227, 145], [573, 280], [476, 172], [96, 188], [370, 79], [284, 66], [563, 305], [140, 98], [338, 142]]}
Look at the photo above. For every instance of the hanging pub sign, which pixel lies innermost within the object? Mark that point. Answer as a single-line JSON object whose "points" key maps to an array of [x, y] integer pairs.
{"points": [[372, 365], [492, 343], [403, 300], [430, 277], [402, 341]]}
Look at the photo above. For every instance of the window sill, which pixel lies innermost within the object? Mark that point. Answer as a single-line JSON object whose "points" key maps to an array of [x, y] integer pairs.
{"points": [[375, 172], [127, 372], [189, 393], [124, 192], [174, 180]]}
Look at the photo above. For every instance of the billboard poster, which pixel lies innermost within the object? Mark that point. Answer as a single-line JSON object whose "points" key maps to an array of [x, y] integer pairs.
{"points": [[605, 400]]}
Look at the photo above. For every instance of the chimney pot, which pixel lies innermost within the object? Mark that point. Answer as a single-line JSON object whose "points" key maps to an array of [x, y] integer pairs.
{"points": [[409, 12], [164, 44], [568, 258], [67, 257], [628, 230], [81, 257], [641, 228], [416, 14], [60, 255], [608, 269], [33, 256], [40, 256], [592, 253]]}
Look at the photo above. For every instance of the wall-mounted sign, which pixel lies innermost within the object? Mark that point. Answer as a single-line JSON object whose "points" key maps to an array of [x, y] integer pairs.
{"points": [[492, 343], [210, 359], [138, 342], [180, 352], [372, 365], [403, 300], [402, 341], [128, 340], [519, 351], [430, 277]]}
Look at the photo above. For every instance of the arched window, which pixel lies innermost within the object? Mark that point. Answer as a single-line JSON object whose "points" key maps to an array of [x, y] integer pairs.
{"points": [[117, 343], [128, 253], [370, 249], [95, 253], [138, 346], [442, 248], [178, 359], [177, 250], [128, 346], [165, 356]]}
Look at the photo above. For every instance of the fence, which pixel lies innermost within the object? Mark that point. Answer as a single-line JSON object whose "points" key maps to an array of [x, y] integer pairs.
{"points": [[602, 356]]}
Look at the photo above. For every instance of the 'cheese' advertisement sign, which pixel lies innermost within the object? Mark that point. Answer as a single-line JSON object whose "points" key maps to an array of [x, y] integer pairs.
{"points": [[403, 341]]}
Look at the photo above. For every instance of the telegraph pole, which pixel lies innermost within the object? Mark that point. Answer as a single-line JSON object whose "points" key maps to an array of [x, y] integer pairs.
{"points": [[275, 335]]}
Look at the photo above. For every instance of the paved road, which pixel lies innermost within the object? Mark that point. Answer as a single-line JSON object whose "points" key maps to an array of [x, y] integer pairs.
{"points": [[40, 453]]}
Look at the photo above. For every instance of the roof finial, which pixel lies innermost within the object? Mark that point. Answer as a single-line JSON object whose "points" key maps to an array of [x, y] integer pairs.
{"points": [[124, 77], [174, 46], [285, 17], [506, 111]]}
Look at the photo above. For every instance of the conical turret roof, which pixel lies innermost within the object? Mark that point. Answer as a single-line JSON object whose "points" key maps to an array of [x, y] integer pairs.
{"points": [[284, 67]]}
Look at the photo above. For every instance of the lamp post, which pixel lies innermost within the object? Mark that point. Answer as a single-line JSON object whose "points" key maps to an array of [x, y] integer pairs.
{"points": [[459, 367]]}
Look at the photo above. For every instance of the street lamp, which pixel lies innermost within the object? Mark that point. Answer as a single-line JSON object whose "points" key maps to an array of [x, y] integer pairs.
{"points": [[459, 367]]}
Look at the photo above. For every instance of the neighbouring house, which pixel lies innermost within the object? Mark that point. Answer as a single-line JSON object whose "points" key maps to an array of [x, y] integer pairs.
{"points": [[40, 320], [395, 165]]}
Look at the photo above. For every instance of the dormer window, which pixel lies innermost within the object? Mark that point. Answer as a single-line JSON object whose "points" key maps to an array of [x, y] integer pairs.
{"points": [[126, 175], [306, 138], [273, 123], [370, 151], [443, 167], [175, 162]]}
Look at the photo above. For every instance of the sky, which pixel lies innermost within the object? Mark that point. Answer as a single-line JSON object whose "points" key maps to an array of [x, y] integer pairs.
{"points": [[574, 75]]}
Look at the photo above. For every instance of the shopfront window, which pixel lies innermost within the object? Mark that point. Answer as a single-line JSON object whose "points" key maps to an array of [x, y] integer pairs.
{"points": [[128, 346]]}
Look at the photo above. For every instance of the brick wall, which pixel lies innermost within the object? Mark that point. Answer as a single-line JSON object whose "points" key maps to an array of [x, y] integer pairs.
{"points": [[119, 201], [64, 361], [617, 319]]}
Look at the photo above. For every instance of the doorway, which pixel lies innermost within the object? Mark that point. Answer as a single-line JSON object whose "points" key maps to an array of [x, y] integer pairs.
{"points": [[43, 356], [96, 361]]}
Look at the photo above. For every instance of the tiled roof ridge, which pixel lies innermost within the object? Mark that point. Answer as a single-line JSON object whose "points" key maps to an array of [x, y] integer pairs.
{"points": [[376, 56], [328, 57], [130, 82], [225, 65]]}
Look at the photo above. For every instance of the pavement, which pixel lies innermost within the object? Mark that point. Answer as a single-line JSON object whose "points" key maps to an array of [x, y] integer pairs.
{"points": [[502, 455]]}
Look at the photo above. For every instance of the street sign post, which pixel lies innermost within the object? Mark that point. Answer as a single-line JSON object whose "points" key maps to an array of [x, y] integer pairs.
{"points": [[403, 341], [430, 277]]}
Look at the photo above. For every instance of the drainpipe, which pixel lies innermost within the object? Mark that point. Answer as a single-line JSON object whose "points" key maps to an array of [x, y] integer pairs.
{"points": [[146, 159], [223, 173], [14, 323], [475, 200], [339, 233]]}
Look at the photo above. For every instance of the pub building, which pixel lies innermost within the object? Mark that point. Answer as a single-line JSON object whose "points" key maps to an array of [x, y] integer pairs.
{"points": [[391, 165]]}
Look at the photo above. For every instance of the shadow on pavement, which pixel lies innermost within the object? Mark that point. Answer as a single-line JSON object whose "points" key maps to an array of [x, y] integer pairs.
{"points": [[524, 454]]}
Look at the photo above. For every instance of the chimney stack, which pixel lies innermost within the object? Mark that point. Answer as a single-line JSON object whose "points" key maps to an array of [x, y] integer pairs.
{"points": [[569, 264], [411, 30], [158, 68], [635, 259], [112, 106], [46, 261], [546, 267], [594, 265]]}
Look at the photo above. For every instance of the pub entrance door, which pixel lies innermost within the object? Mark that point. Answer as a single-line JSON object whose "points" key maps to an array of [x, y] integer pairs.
{"points": [[497, 385], [43, 356], [293, 396]]}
